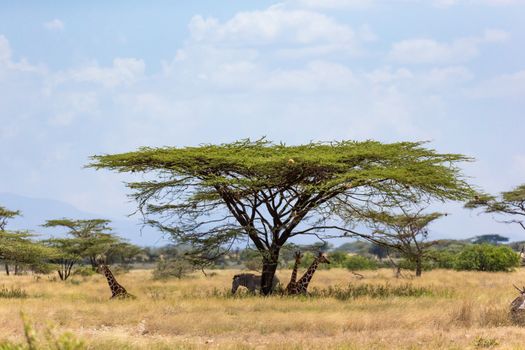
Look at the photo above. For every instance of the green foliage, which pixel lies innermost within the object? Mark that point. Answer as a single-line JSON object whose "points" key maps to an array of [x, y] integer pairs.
{"points": [[12, 293], [173, 268], [486, 257], [358, 262], [84, 271], [338, 258], [510, 205], [211, 196], [89, 239], [5, 215], [19, 249]]}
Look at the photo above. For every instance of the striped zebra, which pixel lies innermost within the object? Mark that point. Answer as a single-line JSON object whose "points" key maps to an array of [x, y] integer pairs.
{"points": [[250, 281]]}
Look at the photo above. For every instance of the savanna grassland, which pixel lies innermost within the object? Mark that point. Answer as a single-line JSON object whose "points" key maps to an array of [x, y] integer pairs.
{"points": [[445, 310]]}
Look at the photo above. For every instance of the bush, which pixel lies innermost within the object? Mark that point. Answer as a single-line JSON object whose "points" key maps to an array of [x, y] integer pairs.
{"points": [[358, 262], [486, 257], [177, 268], [13, 293], [338, 259], [84, 271]]}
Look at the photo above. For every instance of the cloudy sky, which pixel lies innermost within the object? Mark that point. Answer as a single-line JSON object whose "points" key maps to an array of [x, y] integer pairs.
{"points": [[93, 77]]}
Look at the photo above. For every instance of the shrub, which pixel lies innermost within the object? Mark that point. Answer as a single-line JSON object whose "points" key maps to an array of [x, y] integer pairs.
{"points": [[17, 293], [358, 262], [84, 271], [338, 259], [176, 267], [486, 257]]}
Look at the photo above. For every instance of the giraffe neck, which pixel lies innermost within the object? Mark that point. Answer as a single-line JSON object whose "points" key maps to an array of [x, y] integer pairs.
{"points": [[305, 280], [112, 282], [294, 271]]}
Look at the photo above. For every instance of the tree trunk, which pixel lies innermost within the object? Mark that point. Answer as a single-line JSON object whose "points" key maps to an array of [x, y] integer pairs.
{"points": [[419, 268], [7, 269], [270, 260]]}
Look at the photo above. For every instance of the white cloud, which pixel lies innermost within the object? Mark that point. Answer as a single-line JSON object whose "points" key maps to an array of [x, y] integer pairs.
{"points": [[450, 3], [503, 86], [429, 51], [124, 71], [54, 25], [334, 4], [7, 63], [276, 26]]}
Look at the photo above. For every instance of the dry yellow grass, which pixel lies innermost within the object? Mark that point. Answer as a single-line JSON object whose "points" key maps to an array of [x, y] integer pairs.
{"points": [[186, 313]]}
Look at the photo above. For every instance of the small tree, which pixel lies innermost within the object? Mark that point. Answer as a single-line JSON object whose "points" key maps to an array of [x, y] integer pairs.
{"points": [[405, 232], [486, 257], [214, 195], [508, 206], [18, 249], [92, 238], [70, 251]]}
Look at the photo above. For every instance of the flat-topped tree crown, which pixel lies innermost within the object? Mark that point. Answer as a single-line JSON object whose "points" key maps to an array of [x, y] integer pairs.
{"points": [[216, 194], [509, 205]]}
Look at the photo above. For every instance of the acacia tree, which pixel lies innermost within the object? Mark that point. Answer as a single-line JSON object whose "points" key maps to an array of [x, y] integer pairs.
{"points": [[5, 216], [404, 230], [91, 238], [508, 206], [70, 251], [213, 195], [18, 249]]}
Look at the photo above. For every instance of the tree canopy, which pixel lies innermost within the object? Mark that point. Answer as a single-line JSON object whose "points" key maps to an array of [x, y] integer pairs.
{"points": [[509, 205], [212, 195]]}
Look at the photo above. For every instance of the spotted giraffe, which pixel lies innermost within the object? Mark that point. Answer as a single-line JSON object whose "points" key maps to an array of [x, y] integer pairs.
{"points": [[117, 291], [293, 279], [301, 285], [517, 307]]}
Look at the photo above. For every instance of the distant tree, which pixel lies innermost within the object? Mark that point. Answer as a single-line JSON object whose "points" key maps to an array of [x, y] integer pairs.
{"points": [[93, 238], [6, 215], [360, 247], [17, 249], [509, 206], [214, 195], [405, 231], [378, 250], [70, 251], [489, 239]]}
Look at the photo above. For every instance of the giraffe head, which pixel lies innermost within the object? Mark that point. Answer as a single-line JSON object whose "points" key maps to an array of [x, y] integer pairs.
{"points": [[298, 257], [101, 263], [322, 258]]}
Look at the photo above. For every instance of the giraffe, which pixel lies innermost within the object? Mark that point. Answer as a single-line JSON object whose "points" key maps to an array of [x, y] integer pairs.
{"points": [[293, 279], [301, 285], [517, 307], [117, 291]]}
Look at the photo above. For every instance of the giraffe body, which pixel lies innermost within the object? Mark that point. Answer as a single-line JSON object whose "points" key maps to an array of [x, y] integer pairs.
{"points": [[517, 308], [117, 291], [301, 286], [293, 278]]}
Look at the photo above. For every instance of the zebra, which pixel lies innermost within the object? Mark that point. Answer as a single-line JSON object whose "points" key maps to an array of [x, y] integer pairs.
{"points": [[250, 281]]}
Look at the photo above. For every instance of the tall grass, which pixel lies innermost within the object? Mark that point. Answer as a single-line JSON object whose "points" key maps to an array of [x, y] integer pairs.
{"points": [[441, 310], [13, 292]]}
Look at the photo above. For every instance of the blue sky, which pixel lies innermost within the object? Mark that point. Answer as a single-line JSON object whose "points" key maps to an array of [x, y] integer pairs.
{"points": [[78, 79]]}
